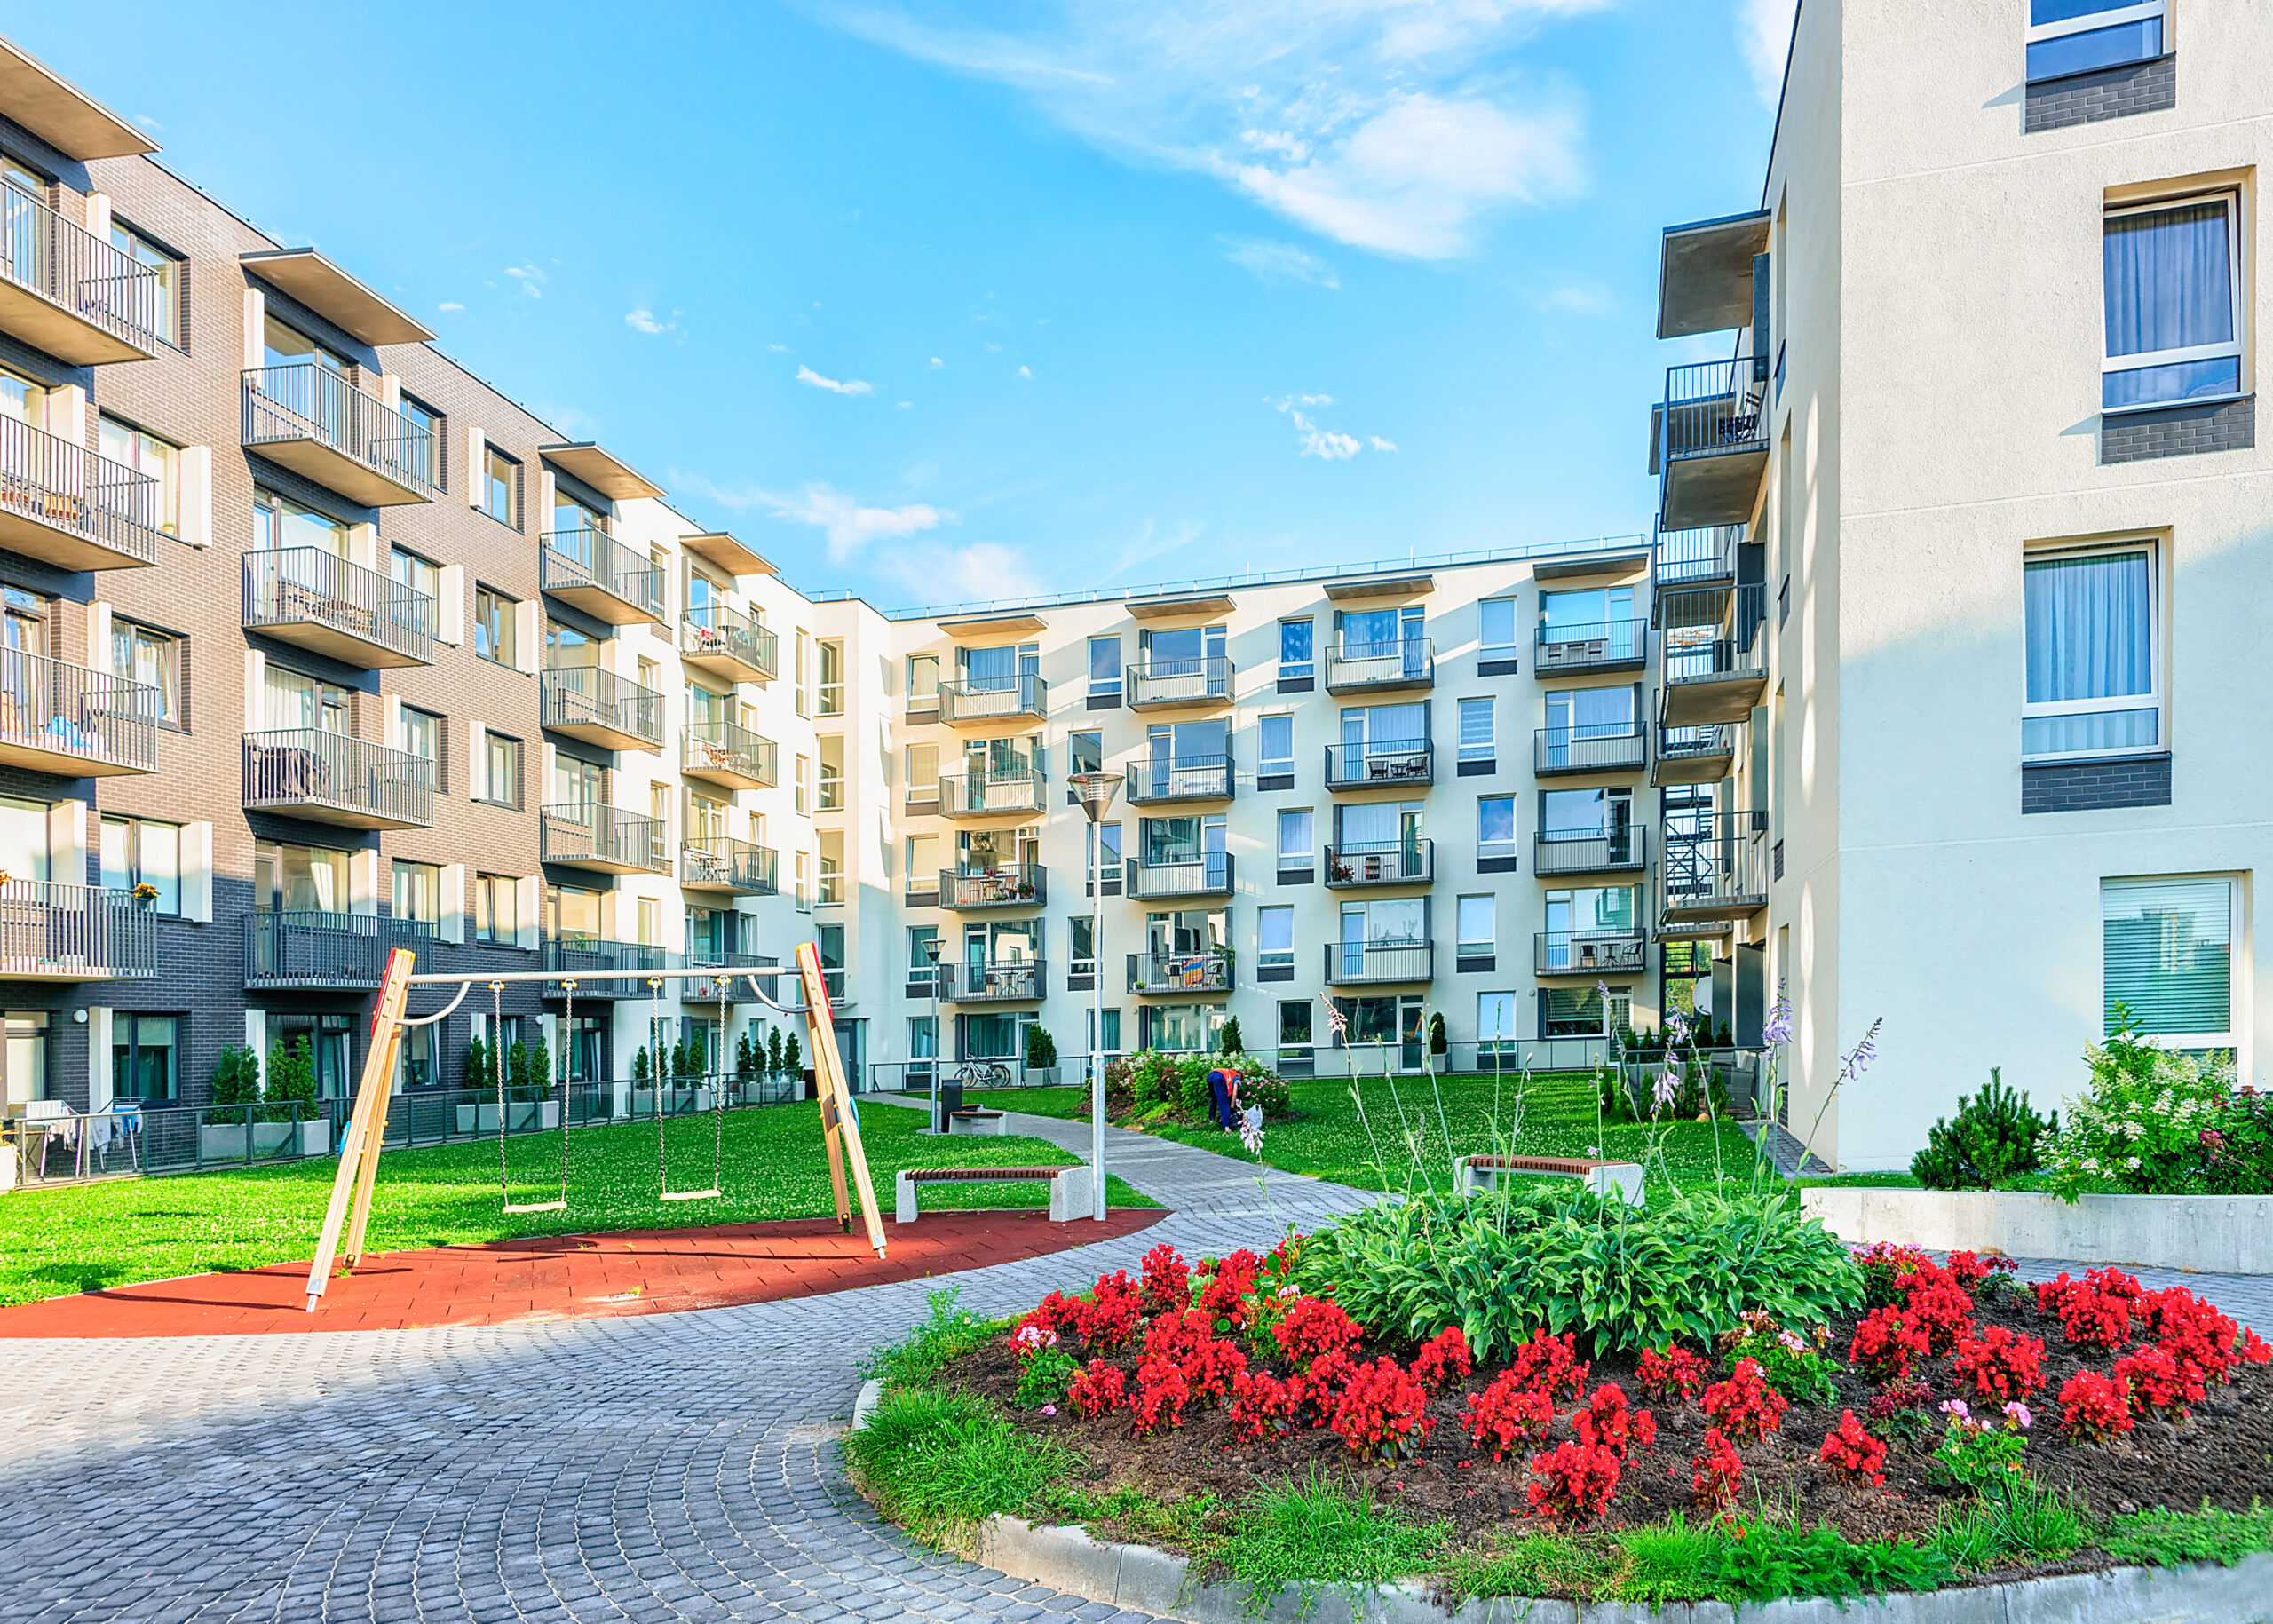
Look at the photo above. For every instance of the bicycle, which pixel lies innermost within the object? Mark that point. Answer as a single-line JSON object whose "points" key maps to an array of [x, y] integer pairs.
{"points": [[984, 1075]]}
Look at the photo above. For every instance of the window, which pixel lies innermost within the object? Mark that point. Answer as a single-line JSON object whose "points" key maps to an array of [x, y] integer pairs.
{"points": [[1294, 1023], [1476, 730], [804, 887], [279, 522], [501, 489], [1081, 946], [501, 770], [923, 772], [422, 451], [1275, 747], [156, 299], [139, 851], [2166, 952], [1274, 939], [421, 736], [650, 927], [496, 909], [803, 785], [1186, 1028], [418, 893], [1495, 1025], [290, 700], [159, 504], [1296, 649], [1603, 614], [832, 678], [151, 658], [1084, 753], [1495, 637], [920, 938], [1295, 839], [2171, 276], [2092, 684], [1105, 668], [801, 675], [496, 623], [143, 1057], [1582, 714], [1495, 826], [1572, 1012], [923, 682], [2081, 36], [1570, 814], [832, 772], [418, 575], [1478, 934], [1105, 851], [922, 862], [831, 867]]}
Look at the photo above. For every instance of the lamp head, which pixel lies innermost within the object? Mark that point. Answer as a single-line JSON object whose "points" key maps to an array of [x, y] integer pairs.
{"points": [[1096, 790]]}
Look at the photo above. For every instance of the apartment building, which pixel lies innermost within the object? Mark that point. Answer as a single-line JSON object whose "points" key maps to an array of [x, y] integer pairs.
{"points": [[1962, 542]]}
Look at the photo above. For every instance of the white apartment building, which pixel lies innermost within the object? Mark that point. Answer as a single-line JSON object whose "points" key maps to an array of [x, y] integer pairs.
{"points": [[1969, 535]]}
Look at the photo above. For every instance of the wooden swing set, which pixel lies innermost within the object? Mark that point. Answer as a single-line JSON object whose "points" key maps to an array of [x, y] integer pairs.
{"points": [[348, 1215]]}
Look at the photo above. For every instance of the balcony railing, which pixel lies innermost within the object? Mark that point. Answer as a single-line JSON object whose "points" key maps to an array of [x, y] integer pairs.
{"points": [[1389, 863], [1205, 972], [318, 600], [1355, 963], [1207, 874], [63, 719], [1186, 777], [1407, 662], [733, 986], [1561, 852], [597, 573], [314, 421], [603, 969], [1602, 646], [67, 506], [1391, 764], [1694, 755], [1593, 747], [50, 931], [314, 949], [329, 778], [962, 981], [1713, 407], [1586, 953], [585, 836], [730, 865], [717, 638], [1707, 553], [91, 303], [717, 749], [1714, 868], [1012, 885], [1714, 655], [977, 795], [1161, 685], [993, 701], [599, 706]]}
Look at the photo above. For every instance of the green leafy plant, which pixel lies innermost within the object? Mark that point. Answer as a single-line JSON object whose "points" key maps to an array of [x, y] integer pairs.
{"points": [[774, 1064], [748, 1058], [793, 1059], [1044, 1379], [1437, 1044], [1976, 1455], [479, 1074], [292, 1081], [1228, 1039], [1042, 1049], [2158, 1123], [1995, 1135], [1761, 1560], [236, 1077], [642, 1074], [1316, 1533], [941, 1462], [1800, 1373], [2168, 1538]]}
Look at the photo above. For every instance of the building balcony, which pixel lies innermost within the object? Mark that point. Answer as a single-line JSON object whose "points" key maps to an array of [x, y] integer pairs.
{"points": [[321, 777], [1179, 684], [734, 865], [1564, 853], [1186, 777], [1019, 699], [1370, 963], [1712, 655], [1590, 953], [590, 570], [309, 948], [1187, 973], [56, 932], [1381, 667], [72, 294], [583, 701], [65, 719], [310, 419], [1714, 870], [1404, 764], [727, 984], [1012, 885], [317, 600], [603, 970], [724, 754], [602, 839], [1209, 874], [1694, 755], [1357, 868], [1711, 443], [1006, 981], [1700, 558], [984, 796], [717, 640], [1595, 747], [67, 506], [1604, 645]]}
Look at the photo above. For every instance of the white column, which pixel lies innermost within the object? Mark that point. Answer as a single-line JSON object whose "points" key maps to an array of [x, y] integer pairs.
{"points": [[67, 842], [363, 881], [477, 761], [450, 607], [477, 461], [255, 327], [454, 902], [255, 687], [101, 1086], [197, 872]]}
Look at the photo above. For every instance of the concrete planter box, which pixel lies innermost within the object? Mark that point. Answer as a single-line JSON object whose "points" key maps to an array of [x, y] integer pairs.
{"points": [[523, 1114], [1041, 1076], [2210, 1234], [315, 1138]]}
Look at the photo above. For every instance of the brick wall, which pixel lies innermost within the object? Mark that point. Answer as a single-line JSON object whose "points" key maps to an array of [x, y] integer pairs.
{"points": [[2112, 92], [2178, 430], [2097, 785]]}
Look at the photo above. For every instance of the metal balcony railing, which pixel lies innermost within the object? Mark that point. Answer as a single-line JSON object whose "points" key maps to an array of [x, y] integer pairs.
{"points": [[1593, 747], [577, 563], [1603, 645], [716, 749], [1350, 963], [584, 696], [331, 778], [587, 835], [735, 988], [1387, 863], [1160, 683], [45, 254], [1713, 406], [1208, 970], [1384, 765], [962, 981], [1713, 632], [1185, 778], [88, 719], [1707, 553], [311, 947], [972, 795], [58, 500], [53, 931], [1713, 866], [1012, 885], [345, 605], [1207, 874], [1407, 662], [1585, 953], [993, 701], [304, 400], [716, 637], [1591, 851], [603, 969], [730, 865], [1696, 747]]}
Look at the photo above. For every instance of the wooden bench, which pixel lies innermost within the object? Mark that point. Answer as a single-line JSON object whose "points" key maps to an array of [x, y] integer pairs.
{"points": [[1069, 1187], [1603, 1177], [977, 1119]]}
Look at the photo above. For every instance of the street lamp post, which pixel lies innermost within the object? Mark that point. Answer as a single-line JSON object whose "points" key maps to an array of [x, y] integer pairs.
{"points": [[1097, 791], [932, 952]]}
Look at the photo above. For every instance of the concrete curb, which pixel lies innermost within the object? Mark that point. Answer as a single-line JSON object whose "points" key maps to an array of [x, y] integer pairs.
{"points": [[2207, 1234]]}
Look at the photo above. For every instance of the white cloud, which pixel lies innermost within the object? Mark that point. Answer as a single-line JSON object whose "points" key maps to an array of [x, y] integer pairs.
{"points": [[849, 386], [1575, 300], [148, 122], [1278, 262], [1024, 372], [848, 524], [937, 363], [1378, 444], [1765, 30], [973, 573], [646, 320], [1311, 439], [531, 278], [449, 304], [781, 349]]}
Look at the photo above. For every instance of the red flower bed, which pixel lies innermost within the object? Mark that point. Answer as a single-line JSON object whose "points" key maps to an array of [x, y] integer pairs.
{"points": [[1853, 1453], [1442, 1360], [1745, 1407], [1507, 1411], [1315, 1326], [1382, 1411], [1167, 1281], [1575, 1481], [1552, 1364], [1718, 1473], [2093, 1408], [1670, 1374], [1886, 1343], [2000, 1364]]}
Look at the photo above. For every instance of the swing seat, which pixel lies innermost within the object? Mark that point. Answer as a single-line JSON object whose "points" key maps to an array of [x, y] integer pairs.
{"points": [[538, 1206], [690, 1195]]}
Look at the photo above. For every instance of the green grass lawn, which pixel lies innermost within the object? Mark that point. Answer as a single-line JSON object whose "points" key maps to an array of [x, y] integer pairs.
{"points": [[75, 1238]]}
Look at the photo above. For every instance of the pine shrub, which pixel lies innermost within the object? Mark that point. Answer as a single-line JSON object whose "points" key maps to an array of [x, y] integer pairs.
{"points": [[1994, 1137]]}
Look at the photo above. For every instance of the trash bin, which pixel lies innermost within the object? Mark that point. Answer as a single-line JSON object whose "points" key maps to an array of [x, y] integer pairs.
{"points": [[950, 1102]]}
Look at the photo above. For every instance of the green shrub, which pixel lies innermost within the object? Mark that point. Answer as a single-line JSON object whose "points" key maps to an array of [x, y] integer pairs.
{"points": [[1228, 1039], [773, 1064], [942, 1462], [1044, 1380], [236, 1077], [1995, 1135], [478, 1074], [2165, 1539], [1766, 1560], [1437, 1042], [291, 1083], [641, 1071], [1042, 1049], [2156, 1122], [950, 1333], [793, 1058]]}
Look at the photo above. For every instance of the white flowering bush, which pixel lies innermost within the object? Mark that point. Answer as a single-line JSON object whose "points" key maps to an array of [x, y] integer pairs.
{"points": [[2158, 1123]]}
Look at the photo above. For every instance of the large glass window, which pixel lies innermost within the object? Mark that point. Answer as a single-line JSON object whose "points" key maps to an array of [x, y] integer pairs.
{"points": [[922, 863], [2172, 274], [23, 839], [420, 576], [923, 682], [140, 851], [294, 700], [1275, 746], [296, 879], [418, 893], [2092, 679], [503, 770], [1495, 826], [496, 634], [1274, 938], [279, 521], [1476, 742], [151, 658], [1495, 1025], [496, 909], [1295, 838], [1496, 629], [158, 460], [1598, 614], [1295, 657], [1478, 927], [2166, 949], [501, 489], [143, 1057], [1105, 668], [832, 678], [2081, 36]]}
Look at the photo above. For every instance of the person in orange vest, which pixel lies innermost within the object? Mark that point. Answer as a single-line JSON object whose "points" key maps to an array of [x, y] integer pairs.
{"points": [[1224, 1096]]}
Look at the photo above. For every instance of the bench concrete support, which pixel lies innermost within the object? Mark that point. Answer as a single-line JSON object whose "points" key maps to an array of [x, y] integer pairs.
{"points": [[1619, 1178], [993, 1122], [1069, 1195], [1069, 1189]]}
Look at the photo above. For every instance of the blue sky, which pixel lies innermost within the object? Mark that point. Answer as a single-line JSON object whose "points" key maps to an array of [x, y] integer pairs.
{"points": [[949, 301]]}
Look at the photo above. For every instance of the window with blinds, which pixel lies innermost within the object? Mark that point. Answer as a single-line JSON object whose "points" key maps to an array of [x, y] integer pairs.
{"points": [[2167, 949]]}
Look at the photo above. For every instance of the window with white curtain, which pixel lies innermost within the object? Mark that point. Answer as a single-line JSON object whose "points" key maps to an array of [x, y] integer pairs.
{"points": [[2092, 682], [2082, 36], [1275, 744], [2167, 956], [2171, 276], [1476, 730]]}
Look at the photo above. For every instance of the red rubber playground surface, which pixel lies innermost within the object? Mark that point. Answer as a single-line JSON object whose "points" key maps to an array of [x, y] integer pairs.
{"points": [[568, 1277]]}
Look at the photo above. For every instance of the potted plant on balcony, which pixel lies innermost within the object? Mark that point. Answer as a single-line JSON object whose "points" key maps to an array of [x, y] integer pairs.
{"points": [[1340, 870], [235, 1091], [145, 894]]}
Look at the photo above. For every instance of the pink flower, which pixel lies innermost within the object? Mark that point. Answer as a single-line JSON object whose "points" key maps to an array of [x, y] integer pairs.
{"points": [[2017, 1415]]}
